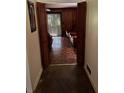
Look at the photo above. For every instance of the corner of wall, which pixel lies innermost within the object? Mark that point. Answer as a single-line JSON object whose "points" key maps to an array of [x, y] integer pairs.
{"points": [[37, 80], [91, 80], [33, 52], [91, 44]]}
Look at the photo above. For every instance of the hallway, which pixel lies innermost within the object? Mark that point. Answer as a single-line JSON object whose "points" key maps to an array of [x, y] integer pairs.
{"points": [[64, 79], [68, 64], [62, 51]]}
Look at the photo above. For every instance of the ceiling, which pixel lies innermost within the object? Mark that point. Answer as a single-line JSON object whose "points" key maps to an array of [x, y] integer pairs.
{"points": [[60, 1], [61, 5]]}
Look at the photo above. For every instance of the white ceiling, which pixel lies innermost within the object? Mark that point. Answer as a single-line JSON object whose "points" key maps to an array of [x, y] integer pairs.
{"points": [[60, 1], [61, 5]]}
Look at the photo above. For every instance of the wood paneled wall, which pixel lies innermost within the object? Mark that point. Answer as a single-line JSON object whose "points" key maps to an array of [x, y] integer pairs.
{"points": [[69, 17], [81, 20], [43, 34]]}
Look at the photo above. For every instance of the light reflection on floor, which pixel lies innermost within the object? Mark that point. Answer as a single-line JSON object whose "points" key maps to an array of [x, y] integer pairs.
{"points": [[57, 42], [62, 51]]}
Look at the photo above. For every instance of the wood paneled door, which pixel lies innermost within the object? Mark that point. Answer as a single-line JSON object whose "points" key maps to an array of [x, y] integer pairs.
{"points": [[43, 33], [81, 28]]}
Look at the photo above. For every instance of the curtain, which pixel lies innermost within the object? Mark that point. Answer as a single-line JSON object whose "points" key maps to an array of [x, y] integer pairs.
{"points": [[54, 24]]}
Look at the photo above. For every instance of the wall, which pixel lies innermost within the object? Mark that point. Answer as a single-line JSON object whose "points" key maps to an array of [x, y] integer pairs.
{"points": [[91, 47], [28, 79], [33, 52], [68, 17], [61, 5]]}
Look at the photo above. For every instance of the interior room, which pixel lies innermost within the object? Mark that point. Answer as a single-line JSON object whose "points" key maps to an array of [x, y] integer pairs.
{"points": [[61, 19]]}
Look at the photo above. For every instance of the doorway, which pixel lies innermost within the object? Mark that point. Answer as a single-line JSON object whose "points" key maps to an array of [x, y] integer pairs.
{"points": [[74, 40], [63, 48], [73, 28]]}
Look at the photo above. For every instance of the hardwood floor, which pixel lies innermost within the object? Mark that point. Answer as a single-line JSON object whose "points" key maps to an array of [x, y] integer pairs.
{"points": [[62, 51], [64, 79]]}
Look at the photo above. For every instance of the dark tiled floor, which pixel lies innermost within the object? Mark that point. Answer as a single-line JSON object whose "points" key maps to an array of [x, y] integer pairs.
{"points": [[64, 79], [62, 51]]}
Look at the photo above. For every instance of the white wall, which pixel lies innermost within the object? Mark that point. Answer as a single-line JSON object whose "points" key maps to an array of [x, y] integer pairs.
{"points": [[91, 51], [33, 52], [28, 78]]}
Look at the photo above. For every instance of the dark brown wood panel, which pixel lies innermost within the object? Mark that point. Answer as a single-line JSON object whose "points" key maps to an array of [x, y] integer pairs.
{"points": [[81, 27], [43, 34]]}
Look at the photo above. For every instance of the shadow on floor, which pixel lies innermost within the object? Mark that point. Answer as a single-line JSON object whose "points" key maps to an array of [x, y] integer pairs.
{"points": [[64, 79]]}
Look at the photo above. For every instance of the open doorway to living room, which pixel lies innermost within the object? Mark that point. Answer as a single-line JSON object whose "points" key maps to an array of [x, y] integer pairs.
{"points": [[62, 30]]}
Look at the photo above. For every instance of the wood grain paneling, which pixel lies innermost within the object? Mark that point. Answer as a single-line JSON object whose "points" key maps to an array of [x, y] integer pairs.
{"points": [[43, 34], [81, 27]]}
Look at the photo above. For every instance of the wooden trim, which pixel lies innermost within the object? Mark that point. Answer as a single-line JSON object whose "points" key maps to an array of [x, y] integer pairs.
{"points": [[43, 36], [81, 27], [53, 12], [64, 8]]}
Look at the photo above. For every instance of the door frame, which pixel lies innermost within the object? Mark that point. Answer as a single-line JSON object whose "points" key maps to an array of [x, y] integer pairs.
{"points": [[44, 60], [81, 27]]}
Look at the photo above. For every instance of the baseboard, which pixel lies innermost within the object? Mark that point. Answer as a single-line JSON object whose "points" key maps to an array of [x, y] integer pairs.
{"points": [[96, 91], [37, 80]]}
